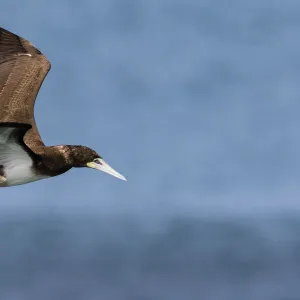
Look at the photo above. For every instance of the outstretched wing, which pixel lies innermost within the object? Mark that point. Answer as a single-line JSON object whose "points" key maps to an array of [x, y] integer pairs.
{"points": [[22, 71]]}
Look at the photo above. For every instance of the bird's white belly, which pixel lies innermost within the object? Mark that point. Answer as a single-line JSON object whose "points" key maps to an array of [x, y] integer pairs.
{"points": [[19, 174], [16, 166]]}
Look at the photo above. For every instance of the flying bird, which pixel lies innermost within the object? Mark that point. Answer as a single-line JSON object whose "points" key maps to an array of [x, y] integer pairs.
{"points": [[24, 157]]}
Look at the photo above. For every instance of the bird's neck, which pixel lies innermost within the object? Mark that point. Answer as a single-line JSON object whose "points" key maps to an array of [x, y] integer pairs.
{"points": [[56, 159]]}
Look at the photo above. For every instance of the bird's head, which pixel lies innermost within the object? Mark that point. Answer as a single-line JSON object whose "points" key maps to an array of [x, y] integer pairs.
{"points": [[81, 156]]}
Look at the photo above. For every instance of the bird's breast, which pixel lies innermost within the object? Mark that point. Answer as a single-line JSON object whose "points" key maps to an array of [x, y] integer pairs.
{"points": [[16, 166], [16, 174]]}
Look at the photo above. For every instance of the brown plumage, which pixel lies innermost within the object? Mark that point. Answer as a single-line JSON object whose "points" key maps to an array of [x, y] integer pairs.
{"points": [[23, 69]]}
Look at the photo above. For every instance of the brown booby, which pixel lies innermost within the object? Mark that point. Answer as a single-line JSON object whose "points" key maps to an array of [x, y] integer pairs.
{"points": [[24, 157]]}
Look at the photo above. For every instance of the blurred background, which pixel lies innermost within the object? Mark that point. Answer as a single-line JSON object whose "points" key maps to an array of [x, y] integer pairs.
{"points": [[197, 103]]}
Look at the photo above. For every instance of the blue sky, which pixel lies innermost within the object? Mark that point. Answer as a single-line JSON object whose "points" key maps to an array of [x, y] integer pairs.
{"points": [[196, 104]]}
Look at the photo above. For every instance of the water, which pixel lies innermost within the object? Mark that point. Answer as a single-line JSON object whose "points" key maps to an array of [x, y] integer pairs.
{"points": [[196, 102], [87, 257]]}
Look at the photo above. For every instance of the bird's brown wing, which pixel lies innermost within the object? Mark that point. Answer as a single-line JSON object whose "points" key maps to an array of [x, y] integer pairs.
{"points": [[22, 71]]}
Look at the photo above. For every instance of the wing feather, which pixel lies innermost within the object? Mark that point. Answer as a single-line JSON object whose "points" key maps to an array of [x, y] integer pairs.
{"points": [[23, 69]]}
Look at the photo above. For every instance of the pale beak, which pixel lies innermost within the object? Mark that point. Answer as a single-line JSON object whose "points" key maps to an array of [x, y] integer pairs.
{"points": [[100, 164]]}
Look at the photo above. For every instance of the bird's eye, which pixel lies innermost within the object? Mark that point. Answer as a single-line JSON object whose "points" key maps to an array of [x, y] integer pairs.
{"points": [[97, 161]]}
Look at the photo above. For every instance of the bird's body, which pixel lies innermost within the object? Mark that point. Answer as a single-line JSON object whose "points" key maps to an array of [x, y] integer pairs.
{"points": [[24, 157], [17, 166]]}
